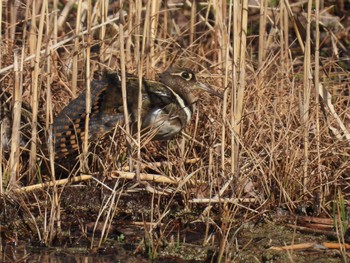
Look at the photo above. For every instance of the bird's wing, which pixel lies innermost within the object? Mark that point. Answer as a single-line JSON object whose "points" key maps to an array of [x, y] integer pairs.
{"points": [[160, 95], [69, 125]]}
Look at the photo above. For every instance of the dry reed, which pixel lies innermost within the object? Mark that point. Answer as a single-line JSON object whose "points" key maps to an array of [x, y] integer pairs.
{"points": [[265, 143]]}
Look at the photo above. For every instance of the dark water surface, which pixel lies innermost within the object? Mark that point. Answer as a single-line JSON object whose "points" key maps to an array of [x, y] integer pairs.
{"points": [[58, 255]]}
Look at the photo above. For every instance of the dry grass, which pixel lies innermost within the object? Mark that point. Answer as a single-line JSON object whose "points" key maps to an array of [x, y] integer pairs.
{"points": [[272, 141]]}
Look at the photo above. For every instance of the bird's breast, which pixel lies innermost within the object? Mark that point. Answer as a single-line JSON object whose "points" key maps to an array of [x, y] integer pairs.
{"points": [[167, 121]]}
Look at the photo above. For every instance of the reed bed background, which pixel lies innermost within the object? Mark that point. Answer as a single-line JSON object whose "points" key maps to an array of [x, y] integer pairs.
{"points": [[277, 141]]}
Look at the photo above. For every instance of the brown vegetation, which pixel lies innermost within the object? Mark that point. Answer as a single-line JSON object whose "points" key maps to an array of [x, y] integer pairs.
{"points": [[278, 141]]}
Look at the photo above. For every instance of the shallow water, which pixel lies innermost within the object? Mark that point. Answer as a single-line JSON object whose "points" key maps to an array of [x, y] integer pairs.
{"points": [[58, 255]]}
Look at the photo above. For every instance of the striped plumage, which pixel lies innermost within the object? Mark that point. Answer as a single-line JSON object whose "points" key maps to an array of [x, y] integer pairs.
{"points": [[167, 107]]}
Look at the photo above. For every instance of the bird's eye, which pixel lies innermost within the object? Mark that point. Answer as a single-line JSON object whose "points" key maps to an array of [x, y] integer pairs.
{"points": [[186, 75]]}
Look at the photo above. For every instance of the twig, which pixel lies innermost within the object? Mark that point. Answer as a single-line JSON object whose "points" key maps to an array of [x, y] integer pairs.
{"points": [[144, 177], [51, 183], [312, 245]]}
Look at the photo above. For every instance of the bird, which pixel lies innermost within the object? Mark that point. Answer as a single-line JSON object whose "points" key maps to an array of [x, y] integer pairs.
{"points": [[167, 107], [6, 123]]}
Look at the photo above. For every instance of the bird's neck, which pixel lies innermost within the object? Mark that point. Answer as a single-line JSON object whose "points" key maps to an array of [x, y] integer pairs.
{"points": [[188, 98]]}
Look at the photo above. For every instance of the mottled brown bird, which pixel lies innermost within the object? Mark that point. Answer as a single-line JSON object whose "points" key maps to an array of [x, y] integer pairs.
{"points": [[167, 106], [6, 122]]}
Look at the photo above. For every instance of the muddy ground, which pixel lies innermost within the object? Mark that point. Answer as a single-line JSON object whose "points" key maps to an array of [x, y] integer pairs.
{"points": [[183, 235]]}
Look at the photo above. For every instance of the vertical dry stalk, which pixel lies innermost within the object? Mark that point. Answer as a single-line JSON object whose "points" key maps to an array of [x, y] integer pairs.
{"points": [[53, 32], [2, 177], [55, 22], [282, 14], [35, 93], [138, 10], [76, 50], [235, 45], [51, 229], [33, 29], [149, 31], [306, 94], [15, 138], [262, 32], [227, 66], [284, 38], [49, 122], [238, 75], [261, 53], [146, 40], [130, 37], [317, 81], [13, 19], [221, 37], [1, 49], [237, 93], [154, 16], [102, 31], [54, 227], [192, 23], [139, 63], [123, 77], [164, 33], [88, 86]]}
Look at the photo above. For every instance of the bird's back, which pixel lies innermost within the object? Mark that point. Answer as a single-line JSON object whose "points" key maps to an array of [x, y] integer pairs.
{"points": [[69, 125]]}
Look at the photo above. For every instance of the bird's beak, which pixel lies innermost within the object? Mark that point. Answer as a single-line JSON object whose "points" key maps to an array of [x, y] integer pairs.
{"points": [[208, 89]]}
